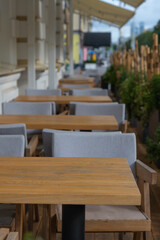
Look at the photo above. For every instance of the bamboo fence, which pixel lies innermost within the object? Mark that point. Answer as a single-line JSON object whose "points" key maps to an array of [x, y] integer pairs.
{"points": [[147, 61]]}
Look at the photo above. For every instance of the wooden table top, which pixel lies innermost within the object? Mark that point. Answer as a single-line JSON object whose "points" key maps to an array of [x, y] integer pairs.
{"points": [[63, 99], [63, 122], [67, 181], [77, 80]]}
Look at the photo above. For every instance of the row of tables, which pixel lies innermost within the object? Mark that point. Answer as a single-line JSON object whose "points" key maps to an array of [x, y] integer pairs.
{"points": [[65, 122], [64, 99], [71, 181]]}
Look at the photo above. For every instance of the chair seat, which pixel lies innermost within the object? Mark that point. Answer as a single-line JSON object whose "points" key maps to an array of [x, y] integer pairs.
{"points": [[7, 214], [102, 218]]}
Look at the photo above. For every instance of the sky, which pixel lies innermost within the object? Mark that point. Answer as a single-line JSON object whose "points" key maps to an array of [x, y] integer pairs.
{"points": [[148, 12]]}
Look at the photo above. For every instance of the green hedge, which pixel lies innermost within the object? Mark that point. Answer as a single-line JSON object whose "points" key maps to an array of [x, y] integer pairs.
{"points": [[140, 95]]}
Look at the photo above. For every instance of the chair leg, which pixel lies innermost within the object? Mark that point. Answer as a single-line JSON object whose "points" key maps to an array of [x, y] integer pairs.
{"points": [[138, 236], [52, 228], [147, 236], [93, 236], [20, 208], [120, 237], [24, 220], [45, 221], [36, 211], [30, 217]]}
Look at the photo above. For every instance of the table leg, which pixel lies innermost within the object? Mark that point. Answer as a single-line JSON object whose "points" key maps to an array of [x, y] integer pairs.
{"points": [[73, 222]]}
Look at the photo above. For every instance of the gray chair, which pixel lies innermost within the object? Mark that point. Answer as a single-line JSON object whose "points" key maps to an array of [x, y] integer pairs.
{"points": [[46, 92], [43, 92], [102, 145], [73, 104], [20, 129], [89, 92], [30, 148], [118, 110], [48, 137], [10, 146], [29, 108]]}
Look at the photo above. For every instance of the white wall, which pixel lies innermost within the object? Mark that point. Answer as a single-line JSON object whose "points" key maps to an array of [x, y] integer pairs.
{"points": [[8, 56]]}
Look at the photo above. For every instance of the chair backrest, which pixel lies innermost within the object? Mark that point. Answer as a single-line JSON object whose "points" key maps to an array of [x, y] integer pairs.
{"points": [[73, 104], [118, 110], [91, 144], [43, 92], [12, 145], [89, 92], [48, 136], [29, 108], [14, 129], [65, 85]]}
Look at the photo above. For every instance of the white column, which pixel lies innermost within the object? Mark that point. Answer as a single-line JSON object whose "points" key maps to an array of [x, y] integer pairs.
{"points": [[62, 33], [31, 71], [52, 75], [71, 38]]}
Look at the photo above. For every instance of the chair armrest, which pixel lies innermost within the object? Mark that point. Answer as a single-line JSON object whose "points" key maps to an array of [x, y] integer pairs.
{"points": [[146, 173], [64, 113], [124, 126], [32, 145]]}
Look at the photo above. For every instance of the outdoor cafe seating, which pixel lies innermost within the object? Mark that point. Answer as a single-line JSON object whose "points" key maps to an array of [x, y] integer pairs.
{"points": [[79, 120], [99, 218], [101, 145]]}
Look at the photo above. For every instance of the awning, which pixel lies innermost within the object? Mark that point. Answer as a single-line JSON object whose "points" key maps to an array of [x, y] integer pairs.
{"points": [[134, 3], [105, 11]]}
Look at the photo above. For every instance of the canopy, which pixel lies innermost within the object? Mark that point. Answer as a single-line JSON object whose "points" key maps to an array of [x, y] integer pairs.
{"points": [[105, 11], [134, 3]]}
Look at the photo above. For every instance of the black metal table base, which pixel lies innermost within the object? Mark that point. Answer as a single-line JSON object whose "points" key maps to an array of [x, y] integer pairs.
{"points": [[73, 222]]}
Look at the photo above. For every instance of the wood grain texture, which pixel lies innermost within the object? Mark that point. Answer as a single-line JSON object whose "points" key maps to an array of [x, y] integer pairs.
{"points": [[63, 122], [63, 99], [77, 80], [104, 181], [32, 145], [146, 173], [20, 216], [3, 233], [113, 225], [12, 236]]}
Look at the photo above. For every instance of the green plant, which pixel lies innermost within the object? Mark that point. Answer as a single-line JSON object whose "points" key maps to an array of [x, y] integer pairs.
{"points": [[147, 98], [155, 92], [121, 75], [153, 147], [109, 77], [114, 75], [142, 100], [127, 91], [30, 236]]}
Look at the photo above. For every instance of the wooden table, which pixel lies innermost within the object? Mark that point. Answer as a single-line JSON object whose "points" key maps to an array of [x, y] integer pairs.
{"points": [[77, 80], [63, 99], [77, 181], [47, 180], [65, 122]]}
